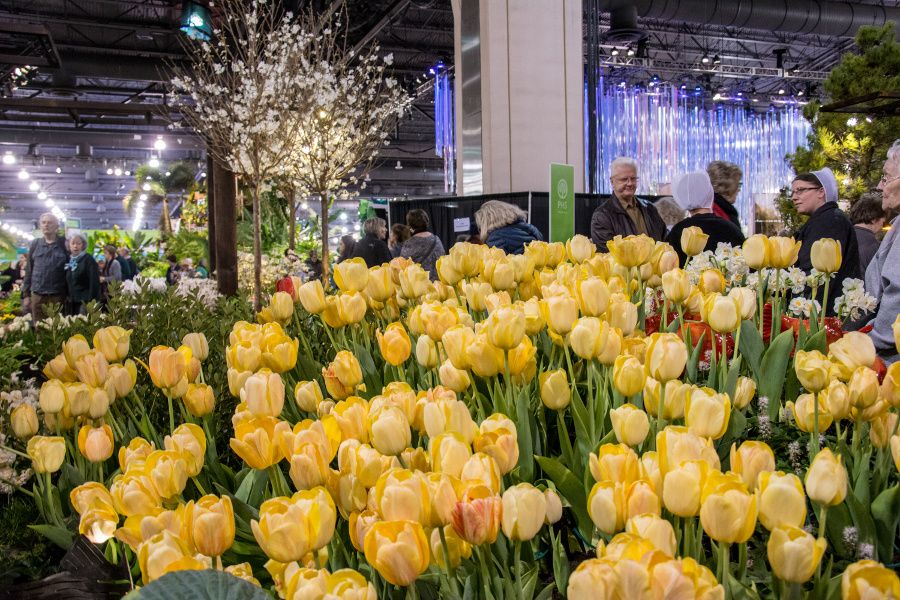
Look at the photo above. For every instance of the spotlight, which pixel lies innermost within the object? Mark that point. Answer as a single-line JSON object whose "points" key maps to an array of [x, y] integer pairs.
{"points": [[630, 52], [23, 174], [146, 187], [202, 174], [9, 159], [705, 59], [852, 122], [127, 173], [800, 93], [304, 206], [48, 203], [58, 170], [42, 195], [781, 91], [142, 197], [109, 171], [117, 172], [195, 20], [159, 144], [34, 186], [615, 52], [153, 163], [718, 96]]}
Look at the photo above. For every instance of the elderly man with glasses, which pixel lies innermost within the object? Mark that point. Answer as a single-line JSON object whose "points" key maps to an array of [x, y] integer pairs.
{"points": [[624, 213], [45, 275], [815, 194]]}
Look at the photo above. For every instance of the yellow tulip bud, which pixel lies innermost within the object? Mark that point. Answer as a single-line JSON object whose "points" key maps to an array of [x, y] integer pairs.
{"points": [[781, 500], [122, 378], [863, 388], [263, 392], [712, 281], [722, 313], [389, 430], [467, 258], [52, 397], [615, 462], [750, 459], [727, 510], [676, 393], [24, 421], [485, 359], [312, 296], [476, 293], [693, 241], [782, 252], [628, 375], [756, 251], [453, 378], [210, 524], [867, 579], [882, 427], [96, 443], [746, 301], [826, 479], [46, 453], [168, 471], [414, 282], [744, 392], [457, 549], [580, 249], [554, 389], [506, 328], [622, 314], [554, 506], [654, 528], [594, 579], [676, 444], [825, 255], [593, 296], [394, 344], [113, 342], [890, 387], [74, 347], [524, 511], [804, 413], [307, 395], [793, 553], [666, 356], [398, 550], [706, 413], [811, 369], [676, 285], [836, 399], [426, 352], [895, 450], [92, 368], [351, 307], [481, 469], [351, 275], [560, 313], [683, 487], [199, 400], [630, 424], [606, 506], [289, 528], [189, 441]]}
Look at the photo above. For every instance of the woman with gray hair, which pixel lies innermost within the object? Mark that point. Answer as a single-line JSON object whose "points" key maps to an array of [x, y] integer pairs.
{"points": [[726, 182], [82, 275], [372, 248], [505, 226]]}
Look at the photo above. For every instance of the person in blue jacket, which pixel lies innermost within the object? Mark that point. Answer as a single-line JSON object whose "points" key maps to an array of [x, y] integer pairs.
{"points": [[505, 226]]}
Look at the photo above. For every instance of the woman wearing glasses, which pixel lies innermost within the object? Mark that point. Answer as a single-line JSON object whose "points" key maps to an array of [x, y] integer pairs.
{"points": [[883, 273], [815, 194]]}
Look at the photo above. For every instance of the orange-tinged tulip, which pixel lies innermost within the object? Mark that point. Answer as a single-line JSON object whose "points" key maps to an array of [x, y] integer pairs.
{"points": [[121, 378], [712, 281], [96, 443], [398, 550], [289, 528], [113, 342], [199, 400], [476, 517], [727, 510], [254, 442], [394, 344], [167, 367], [794, 554], [210, 524], [641, 499], [92, 368], [781, 500]]}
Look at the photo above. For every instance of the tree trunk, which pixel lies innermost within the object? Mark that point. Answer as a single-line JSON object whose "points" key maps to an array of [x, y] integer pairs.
{"points": [[292, 218], [165, 221], [225, 240], [210, 213], [257, 250], [326, 263]]}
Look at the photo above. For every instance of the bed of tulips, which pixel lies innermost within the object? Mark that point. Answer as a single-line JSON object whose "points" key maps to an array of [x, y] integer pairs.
{"points": [[513, 430]]}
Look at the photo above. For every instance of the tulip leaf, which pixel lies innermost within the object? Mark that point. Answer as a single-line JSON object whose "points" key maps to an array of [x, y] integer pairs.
{"points": [[560, 563], [545, 593], [862, 518], [307, 368], [371, 376], [526, 452], [886, 512], [199, 585], [774, 365], [571, 489], [816, 341], [469, 589], [252, 486], [838, 520], [59, 536], [751, 346], [694, 361], [734, 370]]}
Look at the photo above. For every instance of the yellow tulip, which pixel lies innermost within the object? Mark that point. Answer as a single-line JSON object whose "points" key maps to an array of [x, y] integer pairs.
{"points": [[398, 550], [794, 554], [890, 387], [46, 453], [722, 313], [746, 301], [506, 328], [524, 511], [560, 313], [52, 396], [449, 453], [554, 389], [394, 344], [263, 392], [676, 393], [136, 452], [380, 285], [867, 579], [863, 387], [481, 469], [804, 413], [167, 367], [683, 487], [851, 351], [676, 285], [756, 251], [476, 517], [243, 571], [99, 403], [485, 359], [836, 398], [594, 579], [453, 378], [826, 479], [113, 342], [312, 296], [706, 413], [781, 500], [457, 549], [24, 421], [782, 252], [122, 378], [712, 281], [289, 528], [96, 443], [414, 282], [881, 429], [631, 251], [189, 441], [666, 356], [580, 249], [476, 293], [676, 444], [628, 375], [210, 524], [351, 307], [426, 352], [352, 418], [447, 271], [501, 444], [164, 553], [58, 368], [351, 275], [587, 337], [727, 510], [606, 506], [750, 459], [92, 368], [693, 241], [622, 314], [168, 472], [307, 395], [254, 442], [467, 258], [593, 296], [612, 348], [654, 528], [630, 424], [389, 430], [641, 499], [825, 255], [812, 369], [744, 392], [74, 347], [79, 399], [243, 356], [615, 462], [199, 400], [134, 494], [895, 450]]}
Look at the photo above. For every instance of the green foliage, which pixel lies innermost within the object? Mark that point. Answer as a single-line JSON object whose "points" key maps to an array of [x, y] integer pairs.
{"points": [[25, 555], [188, 244], [855, 152], [273, 221], [209, 584], [136, 241]]}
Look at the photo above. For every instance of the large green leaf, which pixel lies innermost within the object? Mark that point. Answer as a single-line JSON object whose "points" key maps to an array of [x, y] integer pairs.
{"points": [[774, 366], [886, 512], [199, 585], [59, 536], [571, 489], [751, 346]]}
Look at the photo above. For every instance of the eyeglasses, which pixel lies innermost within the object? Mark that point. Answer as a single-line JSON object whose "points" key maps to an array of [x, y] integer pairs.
{"points": [[625, 179], [885, 180], [799, 191]]}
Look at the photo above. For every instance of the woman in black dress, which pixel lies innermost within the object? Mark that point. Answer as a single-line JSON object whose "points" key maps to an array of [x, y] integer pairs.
{"points": [[82, 275]]}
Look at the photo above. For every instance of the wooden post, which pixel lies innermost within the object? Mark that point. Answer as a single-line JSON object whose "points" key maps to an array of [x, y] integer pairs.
{"points": [[211, 212], [292, 217], [225, 241]]}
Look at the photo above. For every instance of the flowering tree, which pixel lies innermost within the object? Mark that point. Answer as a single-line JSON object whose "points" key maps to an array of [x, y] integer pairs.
{"points": [[353, 105], [245, 91]]}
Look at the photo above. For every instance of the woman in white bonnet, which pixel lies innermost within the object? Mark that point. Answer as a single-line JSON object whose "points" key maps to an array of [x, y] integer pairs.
{"points": [[694, 193]]}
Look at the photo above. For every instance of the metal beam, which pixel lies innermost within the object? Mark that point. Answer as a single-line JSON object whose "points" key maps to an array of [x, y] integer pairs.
{"points": [[398, 7], [54, 106]]}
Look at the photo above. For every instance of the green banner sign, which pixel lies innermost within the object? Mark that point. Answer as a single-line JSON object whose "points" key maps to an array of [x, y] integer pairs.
{"points": [[562, 202]]}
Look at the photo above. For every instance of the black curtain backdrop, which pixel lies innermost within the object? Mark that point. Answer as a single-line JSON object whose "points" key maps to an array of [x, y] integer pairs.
{"points": [[442, 210]]}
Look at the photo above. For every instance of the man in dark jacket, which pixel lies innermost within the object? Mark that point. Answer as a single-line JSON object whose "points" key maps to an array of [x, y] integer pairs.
{"points": [[815, 194], [45, 275], [372, 248], [867, 217], [624, 213]]}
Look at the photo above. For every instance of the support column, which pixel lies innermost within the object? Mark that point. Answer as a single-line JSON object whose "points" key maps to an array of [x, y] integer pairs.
{"points": [[211, 212], [225, 213], [520, 93]]}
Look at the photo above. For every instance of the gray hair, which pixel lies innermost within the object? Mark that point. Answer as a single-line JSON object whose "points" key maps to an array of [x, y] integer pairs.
{"points": [[623, 161], [670, 211], [78, 235], [51, 215], [893, 152], [495, 214], [371, 226]]}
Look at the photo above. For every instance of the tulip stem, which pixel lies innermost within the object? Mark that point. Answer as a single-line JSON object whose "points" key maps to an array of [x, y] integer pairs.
{"points": [[795, 591], [411, 592], [724, 568], [742, 561], [824, 301], [814, 440], [517, 567], [171, 413], [451, 572], [688, 534]]}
